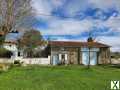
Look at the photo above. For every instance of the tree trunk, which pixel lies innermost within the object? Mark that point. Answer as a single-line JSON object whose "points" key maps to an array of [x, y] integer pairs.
{"points": [[89, 59]]}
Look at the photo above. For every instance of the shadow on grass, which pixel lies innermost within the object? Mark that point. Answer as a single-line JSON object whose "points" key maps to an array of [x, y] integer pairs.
{"points": [[115, 66]]}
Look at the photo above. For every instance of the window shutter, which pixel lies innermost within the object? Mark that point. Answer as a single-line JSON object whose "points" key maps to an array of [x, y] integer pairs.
{"points": [[65, 56], [60, 56]]}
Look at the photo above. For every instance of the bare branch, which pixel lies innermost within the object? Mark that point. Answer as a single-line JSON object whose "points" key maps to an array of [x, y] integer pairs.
{"points": [[12, 12]]}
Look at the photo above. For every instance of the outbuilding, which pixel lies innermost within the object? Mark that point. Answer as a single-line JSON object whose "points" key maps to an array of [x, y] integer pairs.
{"points": [[70, 52]]}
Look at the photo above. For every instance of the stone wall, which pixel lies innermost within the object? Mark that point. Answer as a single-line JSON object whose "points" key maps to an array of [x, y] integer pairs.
{"points": [[71, 52], [104, 56], [73, 55]]}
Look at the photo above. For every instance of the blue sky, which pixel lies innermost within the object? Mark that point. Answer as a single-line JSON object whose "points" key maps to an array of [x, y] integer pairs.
{"points": [[74, 19]]}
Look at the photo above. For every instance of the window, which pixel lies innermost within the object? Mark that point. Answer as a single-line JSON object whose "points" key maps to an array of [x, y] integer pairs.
{"points": [[10, 45], [19, 54]]}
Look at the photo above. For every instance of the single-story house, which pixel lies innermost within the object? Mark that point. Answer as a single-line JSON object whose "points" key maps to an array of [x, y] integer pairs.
{"points": [[68, 52]]}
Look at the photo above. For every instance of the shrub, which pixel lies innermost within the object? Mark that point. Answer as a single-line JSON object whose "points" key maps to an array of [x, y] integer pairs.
{"points": [[5, 53], [18, 63]]}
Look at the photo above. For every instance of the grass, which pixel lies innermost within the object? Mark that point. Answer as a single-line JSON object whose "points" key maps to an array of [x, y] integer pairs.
{"points": [[58, 78]]}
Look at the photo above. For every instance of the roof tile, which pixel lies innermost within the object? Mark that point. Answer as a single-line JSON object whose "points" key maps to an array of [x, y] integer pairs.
{"points": [[76, 44]]}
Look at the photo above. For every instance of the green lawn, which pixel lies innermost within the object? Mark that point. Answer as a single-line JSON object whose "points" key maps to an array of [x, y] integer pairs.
{"points": [[58, 78]]}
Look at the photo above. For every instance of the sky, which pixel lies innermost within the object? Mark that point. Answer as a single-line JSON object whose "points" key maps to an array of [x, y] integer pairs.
{"points": [[73, 20]]}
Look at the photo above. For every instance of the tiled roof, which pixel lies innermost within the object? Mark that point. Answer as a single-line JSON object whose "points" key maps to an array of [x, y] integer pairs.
{"points": [[76, 44]]}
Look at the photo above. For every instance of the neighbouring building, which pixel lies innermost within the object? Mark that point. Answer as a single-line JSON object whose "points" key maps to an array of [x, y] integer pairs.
{"points": [[67, 52], [11, 46]]}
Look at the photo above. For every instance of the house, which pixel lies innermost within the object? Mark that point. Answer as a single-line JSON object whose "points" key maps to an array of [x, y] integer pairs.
{"points": [[67, 52], [11, 46]]}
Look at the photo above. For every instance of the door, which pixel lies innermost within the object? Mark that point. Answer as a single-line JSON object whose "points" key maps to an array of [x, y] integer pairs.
{"points": [[93, 58], [55, 59], [85, 58]]}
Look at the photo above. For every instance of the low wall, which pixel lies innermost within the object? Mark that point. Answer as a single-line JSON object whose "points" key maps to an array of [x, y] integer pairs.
{"points": [[6, 60], [115, 61], [42, 61]]}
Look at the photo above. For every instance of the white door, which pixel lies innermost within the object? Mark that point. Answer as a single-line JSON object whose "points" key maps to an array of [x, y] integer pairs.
{"points": [[55, 59], [85, 58], [93, 58]]}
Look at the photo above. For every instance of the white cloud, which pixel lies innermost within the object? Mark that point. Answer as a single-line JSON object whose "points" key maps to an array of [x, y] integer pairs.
{"points": [[74, 6], [113, 41], [68, 27], [57, 3], [113, 23], [75, 27], [106, 4], [41, 7]]}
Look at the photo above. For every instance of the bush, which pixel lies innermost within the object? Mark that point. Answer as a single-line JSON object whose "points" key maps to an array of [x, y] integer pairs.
{"points": [[2, 38], [18, 63], [5, 53]]}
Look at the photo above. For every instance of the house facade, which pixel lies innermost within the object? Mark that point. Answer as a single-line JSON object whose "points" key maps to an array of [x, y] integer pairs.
{"points": [[11, 46], [63, 52]]}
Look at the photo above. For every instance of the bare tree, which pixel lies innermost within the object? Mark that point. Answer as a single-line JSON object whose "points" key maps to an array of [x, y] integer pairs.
{"points": [[91, 39], [13, 13]]}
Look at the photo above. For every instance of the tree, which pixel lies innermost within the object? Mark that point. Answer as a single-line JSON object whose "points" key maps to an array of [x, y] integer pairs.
{"points": [[91, 38], [12, 14], [2, 37], [30, 40], [90, 41]]}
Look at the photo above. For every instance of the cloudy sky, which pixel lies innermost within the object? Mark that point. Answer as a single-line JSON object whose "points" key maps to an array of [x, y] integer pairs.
{"points": [[74, 19]]}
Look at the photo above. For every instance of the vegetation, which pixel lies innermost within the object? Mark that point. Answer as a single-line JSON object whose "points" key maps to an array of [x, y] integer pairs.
{"points": [[59, 78], [12, 13], [5, 53], [30, 40], [115, 55], [2, 38]]}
